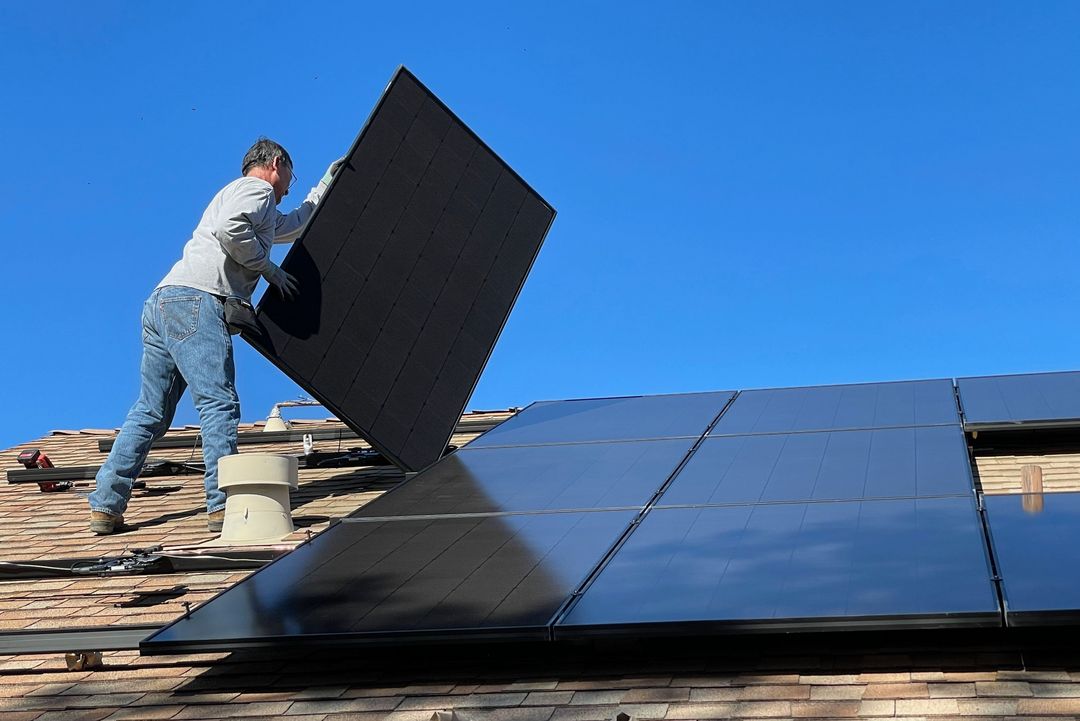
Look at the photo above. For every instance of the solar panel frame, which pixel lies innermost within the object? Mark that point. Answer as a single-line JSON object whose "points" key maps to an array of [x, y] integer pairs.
{"points": [[1027, 400], [407, 411]]}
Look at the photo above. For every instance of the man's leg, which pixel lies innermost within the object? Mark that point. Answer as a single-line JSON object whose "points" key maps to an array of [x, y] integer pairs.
{"points": [[206, 361], [148, 419]]}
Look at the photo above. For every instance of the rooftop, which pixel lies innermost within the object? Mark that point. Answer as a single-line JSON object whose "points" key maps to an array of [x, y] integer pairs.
{"points": [[950, 674]]}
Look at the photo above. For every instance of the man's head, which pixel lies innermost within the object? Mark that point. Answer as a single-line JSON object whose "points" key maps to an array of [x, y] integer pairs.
{"points": [[271, 162]]}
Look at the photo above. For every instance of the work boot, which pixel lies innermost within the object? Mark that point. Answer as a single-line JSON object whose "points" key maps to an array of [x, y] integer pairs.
{"points": [[215, 520], [103, 523]]}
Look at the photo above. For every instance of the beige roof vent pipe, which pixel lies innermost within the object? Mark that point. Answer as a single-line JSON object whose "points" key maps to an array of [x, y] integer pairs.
{"points": [[275, 422], [257, 507]]}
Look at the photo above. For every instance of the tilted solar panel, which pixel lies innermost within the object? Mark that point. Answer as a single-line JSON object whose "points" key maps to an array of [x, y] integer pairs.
{"points": [[407, 272], [1033, 400]]}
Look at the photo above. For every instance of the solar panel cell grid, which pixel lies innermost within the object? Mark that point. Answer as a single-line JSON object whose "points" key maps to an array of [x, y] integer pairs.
{"points": [[911, 562], [537, 478], [838, 465], [1032, 400], [1035, 543], [871, 405], [412, 263], [411, 580], [607, 419]]}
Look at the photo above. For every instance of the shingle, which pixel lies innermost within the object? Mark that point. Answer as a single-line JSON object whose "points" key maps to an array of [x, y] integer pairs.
{"points": [[387, 703], [699, 710], [877, 708], [597, 697], [896, 690], [585, 713], [789, 692], [1046, 706], [927, 707], [547, 698], [836, 693], [534, 713], [234, 709], [951, 690], [824, 709], [1055, 690], [652, 695]]}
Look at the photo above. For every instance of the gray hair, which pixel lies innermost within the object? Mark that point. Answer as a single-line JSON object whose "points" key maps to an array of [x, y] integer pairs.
{"points": [[262, 155]]}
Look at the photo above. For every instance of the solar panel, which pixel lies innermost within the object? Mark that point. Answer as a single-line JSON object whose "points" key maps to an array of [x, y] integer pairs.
{"points": [[837, 465], [608, 419], [825, 408], [425, 580], [537, 478], [1035, 543], [407, 272], [859, 564], [1033, 400]]}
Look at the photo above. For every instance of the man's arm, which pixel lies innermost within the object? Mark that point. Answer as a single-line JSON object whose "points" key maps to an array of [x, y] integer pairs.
{"points": [[289, 225]]}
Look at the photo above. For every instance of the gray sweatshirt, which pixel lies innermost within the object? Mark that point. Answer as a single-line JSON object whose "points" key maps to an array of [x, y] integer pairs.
{"points": [[230, 248]]}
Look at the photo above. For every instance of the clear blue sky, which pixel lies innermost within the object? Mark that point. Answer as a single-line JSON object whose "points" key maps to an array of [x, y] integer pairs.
{"points": [[750, 194]]}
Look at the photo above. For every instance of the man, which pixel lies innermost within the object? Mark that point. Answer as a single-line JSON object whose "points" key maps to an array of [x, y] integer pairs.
{"points": [[186, 342]]}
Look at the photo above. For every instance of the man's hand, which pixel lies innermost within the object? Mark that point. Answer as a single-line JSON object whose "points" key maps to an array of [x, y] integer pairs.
{"points": [[332, 170], [281, 281]]}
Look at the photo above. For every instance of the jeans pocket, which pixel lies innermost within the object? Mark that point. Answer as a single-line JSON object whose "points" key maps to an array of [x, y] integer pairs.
{"points": [[181, 316]]}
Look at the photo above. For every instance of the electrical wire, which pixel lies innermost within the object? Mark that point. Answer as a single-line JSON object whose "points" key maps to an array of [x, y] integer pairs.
{"points": [[18, 564], [212, 558]]}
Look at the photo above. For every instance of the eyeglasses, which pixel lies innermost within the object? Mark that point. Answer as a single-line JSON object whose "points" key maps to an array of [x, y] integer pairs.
{"points": [[292, 180]]}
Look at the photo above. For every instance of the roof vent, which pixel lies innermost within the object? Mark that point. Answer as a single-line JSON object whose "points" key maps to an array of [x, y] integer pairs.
{"points": [[274, 422], [257, 508]]}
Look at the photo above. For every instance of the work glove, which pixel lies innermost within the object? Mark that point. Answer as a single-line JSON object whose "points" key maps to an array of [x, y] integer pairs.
{"points": [[281, 281], [332, 170]]}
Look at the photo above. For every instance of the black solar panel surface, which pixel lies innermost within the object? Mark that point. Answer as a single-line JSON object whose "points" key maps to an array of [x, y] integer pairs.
{"points": [[797, 522], [537, 478], [407, 580], [1038, 399], [914, 562], [407, 271], [609, 419], [837, 465], [825, 408], [1035, 542]]}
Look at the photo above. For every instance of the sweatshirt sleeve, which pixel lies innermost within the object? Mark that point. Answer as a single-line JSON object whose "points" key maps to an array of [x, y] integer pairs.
{"points": [[289, 226], [245, 225]]}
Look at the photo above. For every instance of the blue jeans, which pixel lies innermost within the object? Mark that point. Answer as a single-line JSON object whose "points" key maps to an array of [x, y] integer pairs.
{"points": [[185, 343]]}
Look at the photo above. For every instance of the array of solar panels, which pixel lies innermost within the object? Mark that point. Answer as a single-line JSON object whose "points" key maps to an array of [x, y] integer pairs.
{"points": [[785, 510], [407, 273]]}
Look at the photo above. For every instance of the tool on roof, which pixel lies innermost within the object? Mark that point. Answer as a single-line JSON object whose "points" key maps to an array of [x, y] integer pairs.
{"points": [[33, 459], [50, 479]]}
